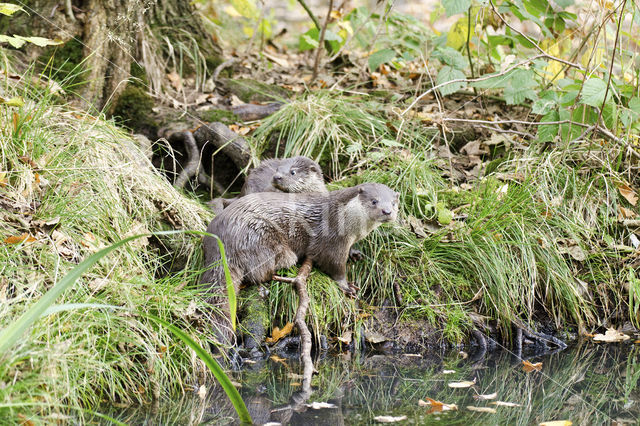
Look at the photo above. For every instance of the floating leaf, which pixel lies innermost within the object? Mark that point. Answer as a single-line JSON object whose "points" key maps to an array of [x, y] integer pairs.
{"points": [[629, 194], [529, 367], [389, 419], [487, 396], [506, 404], [461, 385], [319, 405], [278, 334], [437, 406], [481, 409], [611, 336]]}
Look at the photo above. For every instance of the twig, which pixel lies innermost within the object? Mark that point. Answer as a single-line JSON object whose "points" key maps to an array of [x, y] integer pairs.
{"points": [[470, 80], [321, 42], [300, 281], [310, 13], [473, 74], [613, 56], [219, 68], [545, 54]]}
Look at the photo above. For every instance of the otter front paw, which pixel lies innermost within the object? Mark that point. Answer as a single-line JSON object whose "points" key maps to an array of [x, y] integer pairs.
{"points": [[350, 289], [355, 255]]}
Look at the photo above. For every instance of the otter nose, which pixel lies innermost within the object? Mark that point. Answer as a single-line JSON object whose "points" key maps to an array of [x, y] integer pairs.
{"points": [[277, 177], [386, 211]]}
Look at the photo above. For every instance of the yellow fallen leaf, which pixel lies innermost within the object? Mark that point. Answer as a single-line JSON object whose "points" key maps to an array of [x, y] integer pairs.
{"points": [[278, 334], [276, 358], [481, 409], [557, 423], [529, 367], [461, 385], [437, 405], [625, 213], [611, 336]]}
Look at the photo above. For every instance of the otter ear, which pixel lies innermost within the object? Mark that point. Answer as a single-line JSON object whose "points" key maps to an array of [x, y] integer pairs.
{"points": [[360, 190]]}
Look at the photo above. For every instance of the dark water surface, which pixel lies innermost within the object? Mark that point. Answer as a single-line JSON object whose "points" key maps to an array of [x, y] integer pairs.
{"points": [[586, 384]]}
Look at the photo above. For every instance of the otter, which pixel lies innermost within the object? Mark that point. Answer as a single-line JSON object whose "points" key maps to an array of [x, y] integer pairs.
{"points": [[296, 174], [264, 232]]}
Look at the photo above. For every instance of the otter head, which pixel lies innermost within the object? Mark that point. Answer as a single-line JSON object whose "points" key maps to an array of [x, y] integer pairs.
{"points": [[299, 174], [379, 201]]}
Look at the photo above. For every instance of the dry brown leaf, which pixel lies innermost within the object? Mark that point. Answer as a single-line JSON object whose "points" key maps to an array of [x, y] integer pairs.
{"points": [[461, 385], [625, 213], [628, 193], [17, 239], [346, 338], [278, 333], [202, 392], [175, 80], [374, 337], [557, 423], [437, 406], [389, 419], [611, 336], [481, 409], [529, 367]]}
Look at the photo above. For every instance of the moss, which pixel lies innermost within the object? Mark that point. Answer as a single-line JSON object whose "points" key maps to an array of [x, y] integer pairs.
{"points": [[220, 115], [133, 109], [65, 62], [252, 90], [139, 75]]}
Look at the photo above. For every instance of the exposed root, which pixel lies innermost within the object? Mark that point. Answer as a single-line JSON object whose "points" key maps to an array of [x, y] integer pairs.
{"points": [[193, 159]]}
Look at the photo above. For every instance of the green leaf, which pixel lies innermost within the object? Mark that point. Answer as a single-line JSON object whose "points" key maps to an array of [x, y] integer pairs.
{"points": [[246, 8], [450, 56], [516, 94], [380, 57], [213, 366], [593, 92], [309, 40], [453, 7], [13, 41], [16, 102], [9, 8], [391, 143], [548, 132], [39, 41], [447, 74]]}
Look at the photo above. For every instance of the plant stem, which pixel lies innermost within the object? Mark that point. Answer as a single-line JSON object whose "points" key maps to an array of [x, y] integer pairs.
{"points": [[321, 41]]}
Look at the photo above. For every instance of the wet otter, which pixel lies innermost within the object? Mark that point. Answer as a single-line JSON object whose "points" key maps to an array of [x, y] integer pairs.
{"points": [[296, 174], [267, 231]]}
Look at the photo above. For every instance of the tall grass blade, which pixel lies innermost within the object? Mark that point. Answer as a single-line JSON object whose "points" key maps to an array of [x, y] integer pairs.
{"points": [[214, 367], [231, 291]]}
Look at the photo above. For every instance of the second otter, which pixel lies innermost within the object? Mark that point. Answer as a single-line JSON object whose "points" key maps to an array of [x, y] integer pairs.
{"points": [[296, 174]]}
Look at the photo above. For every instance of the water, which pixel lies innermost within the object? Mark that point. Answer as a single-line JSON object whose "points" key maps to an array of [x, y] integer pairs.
{"points": [[586, 384]]}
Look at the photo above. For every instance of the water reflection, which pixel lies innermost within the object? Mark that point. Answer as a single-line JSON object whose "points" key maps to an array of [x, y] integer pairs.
{"points": [[587, 384]]}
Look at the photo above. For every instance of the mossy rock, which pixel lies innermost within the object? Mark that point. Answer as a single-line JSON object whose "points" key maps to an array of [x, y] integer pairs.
{"points": [[249, 90], [133, 110]]}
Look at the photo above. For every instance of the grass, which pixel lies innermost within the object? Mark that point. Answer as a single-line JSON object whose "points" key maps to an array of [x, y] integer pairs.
{"points": [[88, 180]]}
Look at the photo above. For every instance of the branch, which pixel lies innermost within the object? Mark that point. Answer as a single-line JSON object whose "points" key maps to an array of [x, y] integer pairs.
{"points": [[193, 162], [321, 42], [310, 13]]}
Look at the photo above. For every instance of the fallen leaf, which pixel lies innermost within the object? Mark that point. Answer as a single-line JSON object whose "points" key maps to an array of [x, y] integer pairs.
{"points": [[19, 238], [389, 419], [437, 406], [529, 367], [417, 227], [448, 371], [481, 409], [374, 337], [557, 423], [346, 338], [320, 405], [278, 334], [505, 404], [175, 80], [625, 213], [295, 376], [202, 392], [611, 336], [3, 179], [628, 193], [461, 385], [276, 358], [486, 397]]}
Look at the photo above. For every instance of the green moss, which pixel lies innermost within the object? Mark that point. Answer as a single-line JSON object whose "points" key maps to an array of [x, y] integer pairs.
{"points": [[139, 75], [133, 109], [220, 115]]}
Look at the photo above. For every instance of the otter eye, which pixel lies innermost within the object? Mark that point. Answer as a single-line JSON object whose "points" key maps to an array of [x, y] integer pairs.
{"points": [[374, 202], [293, 172]]}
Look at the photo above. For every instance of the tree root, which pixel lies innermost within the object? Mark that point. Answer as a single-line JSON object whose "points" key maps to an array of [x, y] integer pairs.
{"points": [[193, 158], [300, 282]]}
